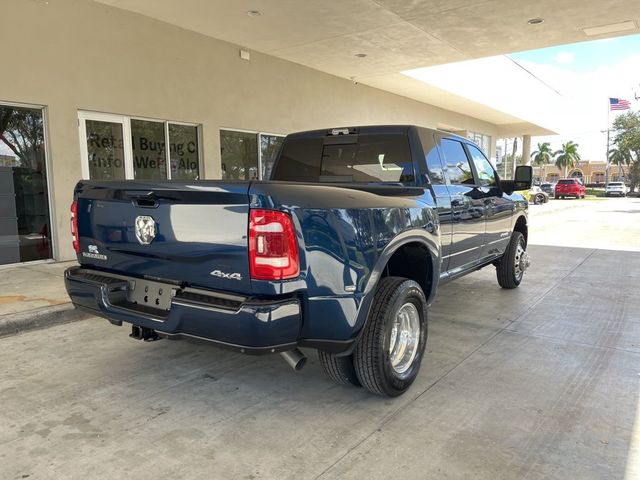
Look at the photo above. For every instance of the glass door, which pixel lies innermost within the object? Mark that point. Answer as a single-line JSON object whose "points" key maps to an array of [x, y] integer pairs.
{"points": [[25, 224], [105, 145]]}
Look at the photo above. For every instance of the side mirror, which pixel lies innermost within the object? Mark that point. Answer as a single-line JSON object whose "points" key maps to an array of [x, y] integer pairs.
{"points": [[523, 180]]}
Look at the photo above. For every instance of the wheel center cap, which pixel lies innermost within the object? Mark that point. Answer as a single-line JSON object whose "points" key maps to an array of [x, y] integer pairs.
{"points": [[525, 261]]}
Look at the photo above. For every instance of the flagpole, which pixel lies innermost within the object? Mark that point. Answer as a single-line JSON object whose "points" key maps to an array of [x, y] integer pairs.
{"points": [[606, 168]]}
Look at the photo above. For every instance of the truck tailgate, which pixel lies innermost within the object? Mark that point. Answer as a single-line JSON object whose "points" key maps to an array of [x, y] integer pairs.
{"points": [[185, 233]]}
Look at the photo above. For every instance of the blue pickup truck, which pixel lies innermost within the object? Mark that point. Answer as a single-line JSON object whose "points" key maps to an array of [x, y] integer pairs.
{"points": [[341, 251]]}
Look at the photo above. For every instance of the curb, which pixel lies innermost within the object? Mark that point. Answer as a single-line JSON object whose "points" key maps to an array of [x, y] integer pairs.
{"points": [[13, 323]]}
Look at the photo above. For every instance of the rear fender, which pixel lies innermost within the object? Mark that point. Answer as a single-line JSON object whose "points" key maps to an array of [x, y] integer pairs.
{"points": [[416, 235]]}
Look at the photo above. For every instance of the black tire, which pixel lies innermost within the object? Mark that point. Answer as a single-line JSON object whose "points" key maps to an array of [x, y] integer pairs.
{"points": [[506, 269], [539, 200], [557, 197], [339, 369], [371, 358]]}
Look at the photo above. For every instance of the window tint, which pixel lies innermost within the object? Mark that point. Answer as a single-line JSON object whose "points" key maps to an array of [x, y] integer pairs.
{"points": [[436, 175], [565, 182], [432, 157], [374, 158], [456, 163], [486, 174], [299, 160]]}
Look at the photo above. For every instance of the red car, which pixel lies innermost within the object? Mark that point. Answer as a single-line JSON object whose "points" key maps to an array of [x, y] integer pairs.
{"points": [[570, 187]]}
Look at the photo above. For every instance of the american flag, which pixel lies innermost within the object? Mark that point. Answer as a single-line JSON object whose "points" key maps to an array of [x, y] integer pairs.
{"points": [[619, 104]]}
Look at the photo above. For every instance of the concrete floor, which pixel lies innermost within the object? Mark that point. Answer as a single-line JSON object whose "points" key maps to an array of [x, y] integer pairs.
{"points": [[540, 382], [31, 287]]}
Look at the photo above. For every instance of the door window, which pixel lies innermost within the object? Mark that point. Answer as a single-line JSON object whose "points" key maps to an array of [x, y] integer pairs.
{"points": [[484, 170], [25, 224], [456, 163]]}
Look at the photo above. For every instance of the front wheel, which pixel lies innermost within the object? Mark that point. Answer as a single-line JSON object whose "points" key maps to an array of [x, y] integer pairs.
{"points": [[514, 262], [388, 355]]}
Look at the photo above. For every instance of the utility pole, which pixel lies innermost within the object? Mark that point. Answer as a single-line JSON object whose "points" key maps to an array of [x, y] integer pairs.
{"points": [[513, 156], [504, 158]]}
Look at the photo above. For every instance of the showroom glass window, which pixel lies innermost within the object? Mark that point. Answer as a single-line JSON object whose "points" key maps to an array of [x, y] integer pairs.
{"points": [[184, 152], [269, 148], [25, 225], [482, 140], [248, 155], [119, 147], [149, 153], [239, 155]]}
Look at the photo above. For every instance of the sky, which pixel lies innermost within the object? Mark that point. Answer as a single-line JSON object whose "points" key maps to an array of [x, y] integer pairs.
{"points": [[586, 74]]}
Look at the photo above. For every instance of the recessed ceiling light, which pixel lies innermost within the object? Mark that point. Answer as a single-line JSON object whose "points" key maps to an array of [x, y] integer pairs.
{"points": [[254, 13], [610, 28], [360, 55], [535, 21]]}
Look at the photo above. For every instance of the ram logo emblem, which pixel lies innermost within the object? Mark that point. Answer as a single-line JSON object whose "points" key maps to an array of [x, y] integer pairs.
{"points": [[145, 229]]}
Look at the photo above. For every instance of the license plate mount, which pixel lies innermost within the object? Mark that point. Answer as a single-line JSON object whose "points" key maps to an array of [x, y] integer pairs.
{"points": [[150, 294]]}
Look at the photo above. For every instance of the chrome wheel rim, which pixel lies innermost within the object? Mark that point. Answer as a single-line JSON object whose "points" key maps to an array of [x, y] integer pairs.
{"points": [[405, 337], [522, 260]]}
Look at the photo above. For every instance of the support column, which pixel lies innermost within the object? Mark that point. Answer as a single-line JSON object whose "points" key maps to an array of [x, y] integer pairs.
{"points": [[526, 149]]}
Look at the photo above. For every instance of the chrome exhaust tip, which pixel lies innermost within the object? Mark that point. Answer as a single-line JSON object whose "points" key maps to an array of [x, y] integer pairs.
{"points": [[295, 358]]}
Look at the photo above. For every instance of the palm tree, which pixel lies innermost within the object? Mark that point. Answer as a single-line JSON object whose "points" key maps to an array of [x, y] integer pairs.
{"points": [[567, 156], [620, 157], [542, 156]]}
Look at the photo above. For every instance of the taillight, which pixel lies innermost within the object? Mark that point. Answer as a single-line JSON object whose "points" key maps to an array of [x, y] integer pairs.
{"points": [[273, 249], [74, 226]]}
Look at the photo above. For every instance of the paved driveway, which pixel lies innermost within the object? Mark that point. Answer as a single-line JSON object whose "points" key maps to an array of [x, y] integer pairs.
{"points": [[540, 382]]}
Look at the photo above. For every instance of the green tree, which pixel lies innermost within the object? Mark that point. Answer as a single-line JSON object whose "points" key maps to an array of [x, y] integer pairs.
{"points": [[626, 141], [22, 131], [567, 157], [620, 157], [542, 156]]}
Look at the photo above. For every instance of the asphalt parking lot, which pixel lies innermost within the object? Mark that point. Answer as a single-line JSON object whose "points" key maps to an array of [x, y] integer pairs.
{"points": [[539, 382]]}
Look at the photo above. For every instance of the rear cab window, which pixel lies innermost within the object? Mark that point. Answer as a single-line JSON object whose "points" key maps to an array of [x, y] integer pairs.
{"points": [[365, 158]]}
